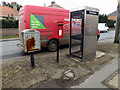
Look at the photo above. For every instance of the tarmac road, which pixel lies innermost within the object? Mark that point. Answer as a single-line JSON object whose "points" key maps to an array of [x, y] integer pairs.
{"points": [[107, 37], [10, 50]]}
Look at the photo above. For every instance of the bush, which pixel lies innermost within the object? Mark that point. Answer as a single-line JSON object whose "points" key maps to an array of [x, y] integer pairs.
{"points": [[104, 19], [110, 23], [9, 23]]}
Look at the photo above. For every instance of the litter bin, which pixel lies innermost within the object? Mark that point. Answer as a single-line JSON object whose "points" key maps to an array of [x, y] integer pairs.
{"points": [[31, 40]]}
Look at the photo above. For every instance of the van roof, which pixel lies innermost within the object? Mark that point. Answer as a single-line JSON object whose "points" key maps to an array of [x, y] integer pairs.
{"points": [[33, 7]]}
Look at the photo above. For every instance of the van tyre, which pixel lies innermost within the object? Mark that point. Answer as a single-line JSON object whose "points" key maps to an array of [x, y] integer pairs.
{"points": [[107, 31], [52, 45]]}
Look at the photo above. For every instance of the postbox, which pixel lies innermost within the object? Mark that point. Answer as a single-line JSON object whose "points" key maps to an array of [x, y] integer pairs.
{"points": [[31, 40], [59, 30]]}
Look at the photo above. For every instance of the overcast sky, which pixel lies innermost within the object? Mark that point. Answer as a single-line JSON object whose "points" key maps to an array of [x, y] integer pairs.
{"points": [[105, 6]]}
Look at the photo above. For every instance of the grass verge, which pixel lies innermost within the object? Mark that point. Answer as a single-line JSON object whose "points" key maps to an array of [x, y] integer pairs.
{"points": [[6, 37]]}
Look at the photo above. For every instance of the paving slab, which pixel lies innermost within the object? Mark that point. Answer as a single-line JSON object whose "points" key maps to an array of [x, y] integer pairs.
{"points": [[95, 80], [99, 54], [112, 81]]}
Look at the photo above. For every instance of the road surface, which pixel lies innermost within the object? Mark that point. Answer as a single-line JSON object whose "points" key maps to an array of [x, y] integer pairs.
{"points": [[107, 37], [10, 49]]}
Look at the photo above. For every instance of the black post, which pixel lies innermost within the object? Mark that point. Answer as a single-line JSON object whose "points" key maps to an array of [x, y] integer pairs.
{"points": [[70, 34], [32, 59], [58, 51]]}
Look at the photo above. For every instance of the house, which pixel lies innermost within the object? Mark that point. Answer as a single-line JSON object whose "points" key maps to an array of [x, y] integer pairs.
{"points": [[113, 15], [53, 4], [9, 12]]}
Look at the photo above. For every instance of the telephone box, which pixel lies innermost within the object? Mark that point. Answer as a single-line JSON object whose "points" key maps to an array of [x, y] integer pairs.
{"points": [[84, 44], [59, 30]]}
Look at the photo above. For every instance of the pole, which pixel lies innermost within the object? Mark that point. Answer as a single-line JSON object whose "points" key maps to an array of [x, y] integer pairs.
{"points": [[58, 51], [70, 34], [117, 24], [32, 59]]}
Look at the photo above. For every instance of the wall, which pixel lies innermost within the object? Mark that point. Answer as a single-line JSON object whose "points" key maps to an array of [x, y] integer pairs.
{"points": [[9, 32]]}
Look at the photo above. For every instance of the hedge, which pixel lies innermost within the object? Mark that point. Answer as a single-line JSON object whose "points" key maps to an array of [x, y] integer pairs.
{"points": [[9, 23], [104, 19], [110, 23]]}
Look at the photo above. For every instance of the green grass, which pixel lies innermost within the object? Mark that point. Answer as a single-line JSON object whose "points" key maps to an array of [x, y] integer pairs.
{"points": [[6, 37]]}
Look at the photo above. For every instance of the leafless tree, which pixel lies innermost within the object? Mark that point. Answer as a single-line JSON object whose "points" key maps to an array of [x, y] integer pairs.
{"points": [[117, 24]]}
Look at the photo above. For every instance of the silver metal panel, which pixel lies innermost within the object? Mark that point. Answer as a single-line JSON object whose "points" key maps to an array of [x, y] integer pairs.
{"points": [[31, 40], [85, 8], [92, 9], [90, 35]]}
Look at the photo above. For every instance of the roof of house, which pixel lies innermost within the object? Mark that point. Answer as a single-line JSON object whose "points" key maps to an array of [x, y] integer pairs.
{"points": [[53, 4], [7, 10], [112, 17], [113, 13]]}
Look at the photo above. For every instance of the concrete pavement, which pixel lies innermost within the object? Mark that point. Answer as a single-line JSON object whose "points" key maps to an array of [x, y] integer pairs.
{"points": [[95, 80], [9, 39]]}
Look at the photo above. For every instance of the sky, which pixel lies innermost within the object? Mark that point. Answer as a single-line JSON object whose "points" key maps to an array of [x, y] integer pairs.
{"points": [[104, 6]]}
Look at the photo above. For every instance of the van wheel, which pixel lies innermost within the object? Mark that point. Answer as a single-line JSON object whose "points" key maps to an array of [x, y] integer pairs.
{"points": [[52, 45], [107, 31]]}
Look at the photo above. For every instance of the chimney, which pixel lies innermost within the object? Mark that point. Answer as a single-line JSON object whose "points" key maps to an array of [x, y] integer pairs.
{"points": [[53, 2], [44, 5], [14, 5]]}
